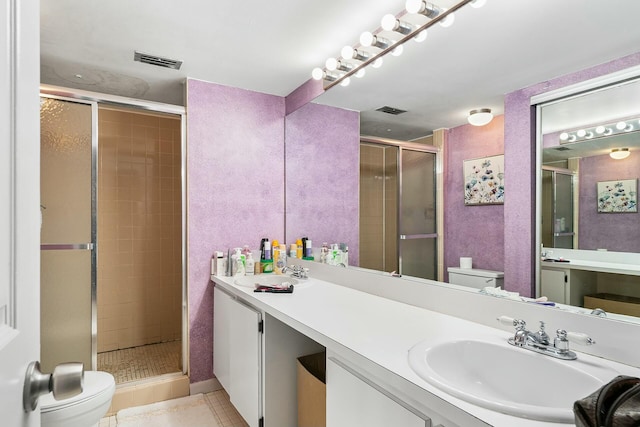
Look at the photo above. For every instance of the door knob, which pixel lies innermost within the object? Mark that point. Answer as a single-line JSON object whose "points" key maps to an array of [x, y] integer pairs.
{"points": [[67, 380]]}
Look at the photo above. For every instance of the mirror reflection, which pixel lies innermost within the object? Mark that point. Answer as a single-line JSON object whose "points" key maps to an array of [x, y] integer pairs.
{"points": [[589, 225]]}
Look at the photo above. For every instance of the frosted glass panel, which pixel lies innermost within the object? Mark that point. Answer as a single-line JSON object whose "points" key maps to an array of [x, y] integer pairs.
{"points": [[65, 295], [419, 258], [65, 171], [65, 198], [418, 213]]}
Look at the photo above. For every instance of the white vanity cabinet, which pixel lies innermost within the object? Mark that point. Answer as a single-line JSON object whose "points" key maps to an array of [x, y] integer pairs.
{"points": [[237, 354], [352, 400], [566, 285]]}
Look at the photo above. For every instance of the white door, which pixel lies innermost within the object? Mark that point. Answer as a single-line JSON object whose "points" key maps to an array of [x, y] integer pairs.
{"points": [[19, 204]]}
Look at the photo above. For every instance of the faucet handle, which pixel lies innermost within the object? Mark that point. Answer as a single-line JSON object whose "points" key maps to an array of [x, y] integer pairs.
{"points": [[580, 338], [510, 321]]}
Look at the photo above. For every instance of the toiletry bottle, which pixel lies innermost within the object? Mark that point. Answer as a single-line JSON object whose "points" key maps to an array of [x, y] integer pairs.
{"points": [[292, 250], [235, 261], [267, 250], [324, 252], [345, 253], [249, 265], [276, 256], [308, 250], [281, 260], [299, 248]]}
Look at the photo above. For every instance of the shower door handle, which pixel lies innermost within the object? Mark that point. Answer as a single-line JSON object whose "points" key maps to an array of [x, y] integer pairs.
{"points": [[67, 246]]}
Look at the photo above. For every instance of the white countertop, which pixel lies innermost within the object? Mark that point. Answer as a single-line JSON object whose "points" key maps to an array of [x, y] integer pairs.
{"points": [[599, 266], [383, 331]]}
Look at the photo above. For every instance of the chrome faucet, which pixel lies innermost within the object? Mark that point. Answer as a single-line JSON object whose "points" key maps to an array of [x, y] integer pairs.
{"points": [[540, 341], [297, 271]]}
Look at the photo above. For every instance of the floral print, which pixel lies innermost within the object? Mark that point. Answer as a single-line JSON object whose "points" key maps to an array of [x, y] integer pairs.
{"points": [[617, 196], [484, 181]]}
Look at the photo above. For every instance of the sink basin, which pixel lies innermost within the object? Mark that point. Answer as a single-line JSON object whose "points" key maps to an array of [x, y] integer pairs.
{"points": [[264, 279], [507, 379]]}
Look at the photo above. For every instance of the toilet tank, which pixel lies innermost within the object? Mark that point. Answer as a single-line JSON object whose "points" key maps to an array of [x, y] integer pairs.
{"points": [[475, 278]]}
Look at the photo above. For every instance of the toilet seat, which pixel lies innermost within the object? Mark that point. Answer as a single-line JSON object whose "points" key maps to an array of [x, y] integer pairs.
{"points": [[97, 385]]}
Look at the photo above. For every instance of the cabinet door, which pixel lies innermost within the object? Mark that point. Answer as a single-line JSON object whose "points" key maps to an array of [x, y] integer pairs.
{"points": [[553, 285], [245, 362], [353, 402], [221, 334]]}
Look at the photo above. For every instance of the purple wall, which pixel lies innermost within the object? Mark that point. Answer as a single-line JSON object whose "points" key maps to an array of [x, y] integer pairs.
{"points": [[323, 174], [235, 165], [615, 232], [519, 207], [472, 231]]}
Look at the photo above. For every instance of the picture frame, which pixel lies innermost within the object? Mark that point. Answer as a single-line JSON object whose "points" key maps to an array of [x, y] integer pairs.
{"points": [[484, 181], [617, 196]]}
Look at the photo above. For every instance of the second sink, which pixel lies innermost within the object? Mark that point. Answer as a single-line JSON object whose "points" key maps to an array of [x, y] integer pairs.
{"points": [[507, 379]]}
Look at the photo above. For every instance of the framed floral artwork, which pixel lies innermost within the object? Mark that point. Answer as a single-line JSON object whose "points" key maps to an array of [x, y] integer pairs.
{"points": [[484, 181], [620, 196]]}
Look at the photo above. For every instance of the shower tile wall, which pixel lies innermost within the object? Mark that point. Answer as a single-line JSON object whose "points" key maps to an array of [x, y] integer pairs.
{"points": [[139, 229]]}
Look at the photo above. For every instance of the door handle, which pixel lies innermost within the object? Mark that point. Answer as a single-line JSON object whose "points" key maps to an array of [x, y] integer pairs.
{"points": [[67, 380]]}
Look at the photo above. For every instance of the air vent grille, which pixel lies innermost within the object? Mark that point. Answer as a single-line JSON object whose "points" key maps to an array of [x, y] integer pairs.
{"points": [[391, 110], [157, 60], [563, 149]]}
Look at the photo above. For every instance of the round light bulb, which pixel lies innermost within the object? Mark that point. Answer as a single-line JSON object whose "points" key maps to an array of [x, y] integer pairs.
{"points": [[388, 22], [589, 135], [629, 128], [347, 52], [360, 73], [366, 39], [621, 125], [345, 82], [448, 21], [581, 133], [413, 6], [317, 73], [377, 63], [600, 130], [564, 136], [478, 3], [572, 138], [331, 64], [422, 36], [397, 51]]}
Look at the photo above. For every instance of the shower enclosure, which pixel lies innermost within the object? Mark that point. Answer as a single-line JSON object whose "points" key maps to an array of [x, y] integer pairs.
{"points": [[557, 230], [112, 239], [398, 209]]}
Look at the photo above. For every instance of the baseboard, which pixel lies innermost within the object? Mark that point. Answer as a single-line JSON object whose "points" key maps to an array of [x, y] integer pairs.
{"points": [[206, 386]]}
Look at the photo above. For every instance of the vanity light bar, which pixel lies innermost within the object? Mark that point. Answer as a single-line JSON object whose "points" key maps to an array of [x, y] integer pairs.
{"points": [[384, 46], [599, 131]]}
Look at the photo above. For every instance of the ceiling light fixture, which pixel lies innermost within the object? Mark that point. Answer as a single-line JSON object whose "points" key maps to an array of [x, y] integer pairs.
{"points": [[389, 23], [620, 153], [480, 116]]}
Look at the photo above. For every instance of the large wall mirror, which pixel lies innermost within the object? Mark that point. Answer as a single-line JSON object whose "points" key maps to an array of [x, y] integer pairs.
{"points": [[590, 165], [439, 81]]}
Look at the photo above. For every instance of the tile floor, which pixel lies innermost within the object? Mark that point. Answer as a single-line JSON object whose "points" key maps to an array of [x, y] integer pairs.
{"points": [[138, 363], [223, 412]]}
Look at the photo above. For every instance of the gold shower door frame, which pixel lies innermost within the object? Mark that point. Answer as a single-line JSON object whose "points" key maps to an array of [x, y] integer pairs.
{"points": [[68, 249]]}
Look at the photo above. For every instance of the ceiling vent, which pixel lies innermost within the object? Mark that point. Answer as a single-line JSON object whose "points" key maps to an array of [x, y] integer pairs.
{"points": [[391, 110], [157, 60], [562, 149]]}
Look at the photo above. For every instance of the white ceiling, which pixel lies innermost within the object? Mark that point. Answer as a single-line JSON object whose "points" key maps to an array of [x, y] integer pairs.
{"points": [[272, 47]]}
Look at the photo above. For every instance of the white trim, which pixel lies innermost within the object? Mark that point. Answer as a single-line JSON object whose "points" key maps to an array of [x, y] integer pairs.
{"points": [[609, 79], [112, 99]]}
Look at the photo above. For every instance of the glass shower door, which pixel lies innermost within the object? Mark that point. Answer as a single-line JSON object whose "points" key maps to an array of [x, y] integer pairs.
{"points": [[67, 197], [418, 233]]}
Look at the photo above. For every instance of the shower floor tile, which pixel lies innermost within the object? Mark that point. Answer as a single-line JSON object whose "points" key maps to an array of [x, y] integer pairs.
{"points": [[139, 363]]}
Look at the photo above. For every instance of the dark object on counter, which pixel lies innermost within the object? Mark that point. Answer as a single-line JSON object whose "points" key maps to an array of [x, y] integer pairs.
{"points": [[616, 404], [271, 289], [555, 260]]}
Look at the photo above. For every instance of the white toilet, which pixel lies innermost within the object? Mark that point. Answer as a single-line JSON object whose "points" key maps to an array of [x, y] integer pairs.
{"points": [[475, 277], [83, 410]]}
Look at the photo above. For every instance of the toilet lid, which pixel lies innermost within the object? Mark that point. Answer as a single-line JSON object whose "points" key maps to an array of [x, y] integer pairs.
{"points": [[95, 383]]}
